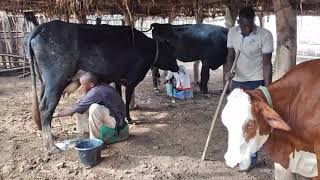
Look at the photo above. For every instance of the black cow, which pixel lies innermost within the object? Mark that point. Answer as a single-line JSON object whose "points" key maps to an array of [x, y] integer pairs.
{"points": [[57, 50], [192, 42]]}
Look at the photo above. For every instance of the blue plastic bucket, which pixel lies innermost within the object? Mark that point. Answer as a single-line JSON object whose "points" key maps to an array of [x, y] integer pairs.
{"points": [[89, 151]]}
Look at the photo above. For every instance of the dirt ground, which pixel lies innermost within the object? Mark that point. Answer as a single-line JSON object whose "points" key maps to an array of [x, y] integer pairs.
{"points": [[166, 140]]}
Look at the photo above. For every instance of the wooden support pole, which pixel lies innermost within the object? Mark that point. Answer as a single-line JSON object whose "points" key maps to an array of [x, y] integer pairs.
{"points": [[199, 20], [286, 25], [14, 42]]}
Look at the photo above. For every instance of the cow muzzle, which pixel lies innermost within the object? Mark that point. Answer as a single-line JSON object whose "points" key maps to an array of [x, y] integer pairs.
{"points": [[242, 162]]}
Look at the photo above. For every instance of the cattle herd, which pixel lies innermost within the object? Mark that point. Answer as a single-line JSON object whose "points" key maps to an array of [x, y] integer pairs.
{"points": [[58, 51]]}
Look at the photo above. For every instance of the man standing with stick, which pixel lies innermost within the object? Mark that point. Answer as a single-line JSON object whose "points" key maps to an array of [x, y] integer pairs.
{"points": [[254, 67], [251, 66]]}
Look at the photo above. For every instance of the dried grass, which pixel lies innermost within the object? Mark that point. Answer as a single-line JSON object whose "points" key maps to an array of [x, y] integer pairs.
{"points": [[140, 8], [137, 7]]}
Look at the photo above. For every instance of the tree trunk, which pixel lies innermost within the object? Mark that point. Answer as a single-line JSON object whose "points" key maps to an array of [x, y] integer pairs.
{"points": [[286, 21]]}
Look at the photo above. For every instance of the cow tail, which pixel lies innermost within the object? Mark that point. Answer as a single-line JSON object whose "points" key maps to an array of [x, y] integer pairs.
{"points": [[34, 68]]}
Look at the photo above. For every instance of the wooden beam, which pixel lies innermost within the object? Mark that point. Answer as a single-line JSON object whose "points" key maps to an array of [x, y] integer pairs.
{"points": [[12, 69], [25, 74], [12, 55]]}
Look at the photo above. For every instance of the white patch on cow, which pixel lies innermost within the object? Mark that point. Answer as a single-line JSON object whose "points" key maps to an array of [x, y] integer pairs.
{"points": [[235, 115], [304, 163]]}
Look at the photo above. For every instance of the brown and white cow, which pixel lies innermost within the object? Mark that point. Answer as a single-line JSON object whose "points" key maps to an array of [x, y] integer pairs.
{"points": [[289, 130]]}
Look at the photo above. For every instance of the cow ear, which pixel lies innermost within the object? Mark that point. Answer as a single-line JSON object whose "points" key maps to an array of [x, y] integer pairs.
{"points": [[272, 117]]}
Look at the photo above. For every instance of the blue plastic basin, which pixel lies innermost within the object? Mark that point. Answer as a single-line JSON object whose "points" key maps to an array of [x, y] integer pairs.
{"points": [[89, 151]]}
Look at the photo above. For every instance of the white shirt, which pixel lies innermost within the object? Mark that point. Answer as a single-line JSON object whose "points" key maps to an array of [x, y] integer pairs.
{"points": [[182, 78], [250, 66]]}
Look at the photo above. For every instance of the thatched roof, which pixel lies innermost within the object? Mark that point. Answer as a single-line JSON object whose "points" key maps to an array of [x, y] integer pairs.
{"points": [[139, 8]]}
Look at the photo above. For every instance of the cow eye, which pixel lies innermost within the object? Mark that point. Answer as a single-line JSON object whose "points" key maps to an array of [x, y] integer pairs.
{"points": [[250, 124]]}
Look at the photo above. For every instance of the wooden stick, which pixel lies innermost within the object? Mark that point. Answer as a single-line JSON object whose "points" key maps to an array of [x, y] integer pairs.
{"points": [[12, 55], [24, 74], [24, 66], [12, 31], [17, 37], [218, 108], [21, 62], [12, 69]]}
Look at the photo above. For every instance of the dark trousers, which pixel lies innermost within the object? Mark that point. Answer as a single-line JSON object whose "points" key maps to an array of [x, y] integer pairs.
{"points": [[246, 85]]}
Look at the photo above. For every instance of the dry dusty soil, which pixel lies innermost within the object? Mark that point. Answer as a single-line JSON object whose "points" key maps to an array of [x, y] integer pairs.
{"points": [[166, 140]]}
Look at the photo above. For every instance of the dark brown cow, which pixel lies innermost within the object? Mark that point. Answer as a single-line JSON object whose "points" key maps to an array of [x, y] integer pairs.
{"points": [[289, 129]]}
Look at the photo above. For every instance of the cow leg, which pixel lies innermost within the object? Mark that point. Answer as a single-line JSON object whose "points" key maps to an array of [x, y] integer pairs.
{"points": [[205, 75], [155, 78], [49, 102], [129, 91]]}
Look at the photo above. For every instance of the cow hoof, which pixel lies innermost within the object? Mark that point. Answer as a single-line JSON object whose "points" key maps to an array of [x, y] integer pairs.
{"points": [[204, 91], [53, 150]]}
